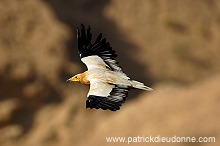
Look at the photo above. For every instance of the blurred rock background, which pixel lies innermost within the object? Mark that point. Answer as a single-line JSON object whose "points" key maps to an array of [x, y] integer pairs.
{"points": [[172, 46]]}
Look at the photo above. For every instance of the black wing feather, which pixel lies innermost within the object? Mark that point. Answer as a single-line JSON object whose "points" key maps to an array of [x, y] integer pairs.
{"points": [[112, 102], [100, 48]]}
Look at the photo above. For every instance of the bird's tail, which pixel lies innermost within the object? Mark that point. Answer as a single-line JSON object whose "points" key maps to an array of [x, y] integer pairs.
{"points": [[139, 85]]}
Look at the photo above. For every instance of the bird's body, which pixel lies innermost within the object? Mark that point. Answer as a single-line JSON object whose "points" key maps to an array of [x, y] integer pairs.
{"points": [[109, 85]]}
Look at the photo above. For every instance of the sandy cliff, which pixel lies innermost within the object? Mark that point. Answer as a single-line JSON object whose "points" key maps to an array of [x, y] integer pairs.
{"points": [[173, 46]]}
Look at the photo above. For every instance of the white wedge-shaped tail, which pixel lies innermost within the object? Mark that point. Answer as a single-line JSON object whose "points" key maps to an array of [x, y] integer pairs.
{"points": [[139, 85]]}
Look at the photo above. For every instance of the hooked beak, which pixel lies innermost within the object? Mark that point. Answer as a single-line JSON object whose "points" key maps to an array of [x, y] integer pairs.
{"points": [[73, 79], [67, 81]]}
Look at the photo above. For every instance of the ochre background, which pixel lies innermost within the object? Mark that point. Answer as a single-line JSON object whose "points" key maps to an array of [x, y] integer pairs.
{"points": [[171, 45]]}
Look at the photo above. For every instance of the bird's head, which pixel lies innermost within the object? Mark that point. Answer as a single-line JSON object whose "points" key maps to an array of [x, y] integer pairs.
{"points": [[75, 78]]}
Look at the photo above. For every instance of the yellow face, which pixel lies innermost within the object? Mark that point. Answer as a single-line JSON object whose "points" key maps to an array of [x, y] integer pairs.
{"points": [[74, 79]]}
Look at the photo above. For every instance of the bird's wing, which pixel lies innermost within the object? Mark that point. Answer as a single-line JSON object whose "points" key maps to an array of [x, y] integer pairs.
{"points": [[97, 54], [105, 95]]}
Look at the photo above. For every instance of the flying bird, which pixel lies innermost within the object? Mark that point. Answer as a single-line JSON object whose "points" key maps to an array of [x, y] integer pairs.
{"points": [[109, 85]]}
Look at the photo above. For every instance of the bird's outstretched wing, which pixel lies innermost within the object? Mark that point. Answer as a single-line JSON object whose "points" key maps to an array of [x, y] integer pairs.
{"points": [[106, 96], [100, 52]]}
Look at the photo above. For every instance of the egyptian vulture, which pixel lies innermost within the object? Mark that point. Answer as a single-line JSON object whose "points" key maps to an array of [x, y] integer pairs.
{"points": [[109, 85]]}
